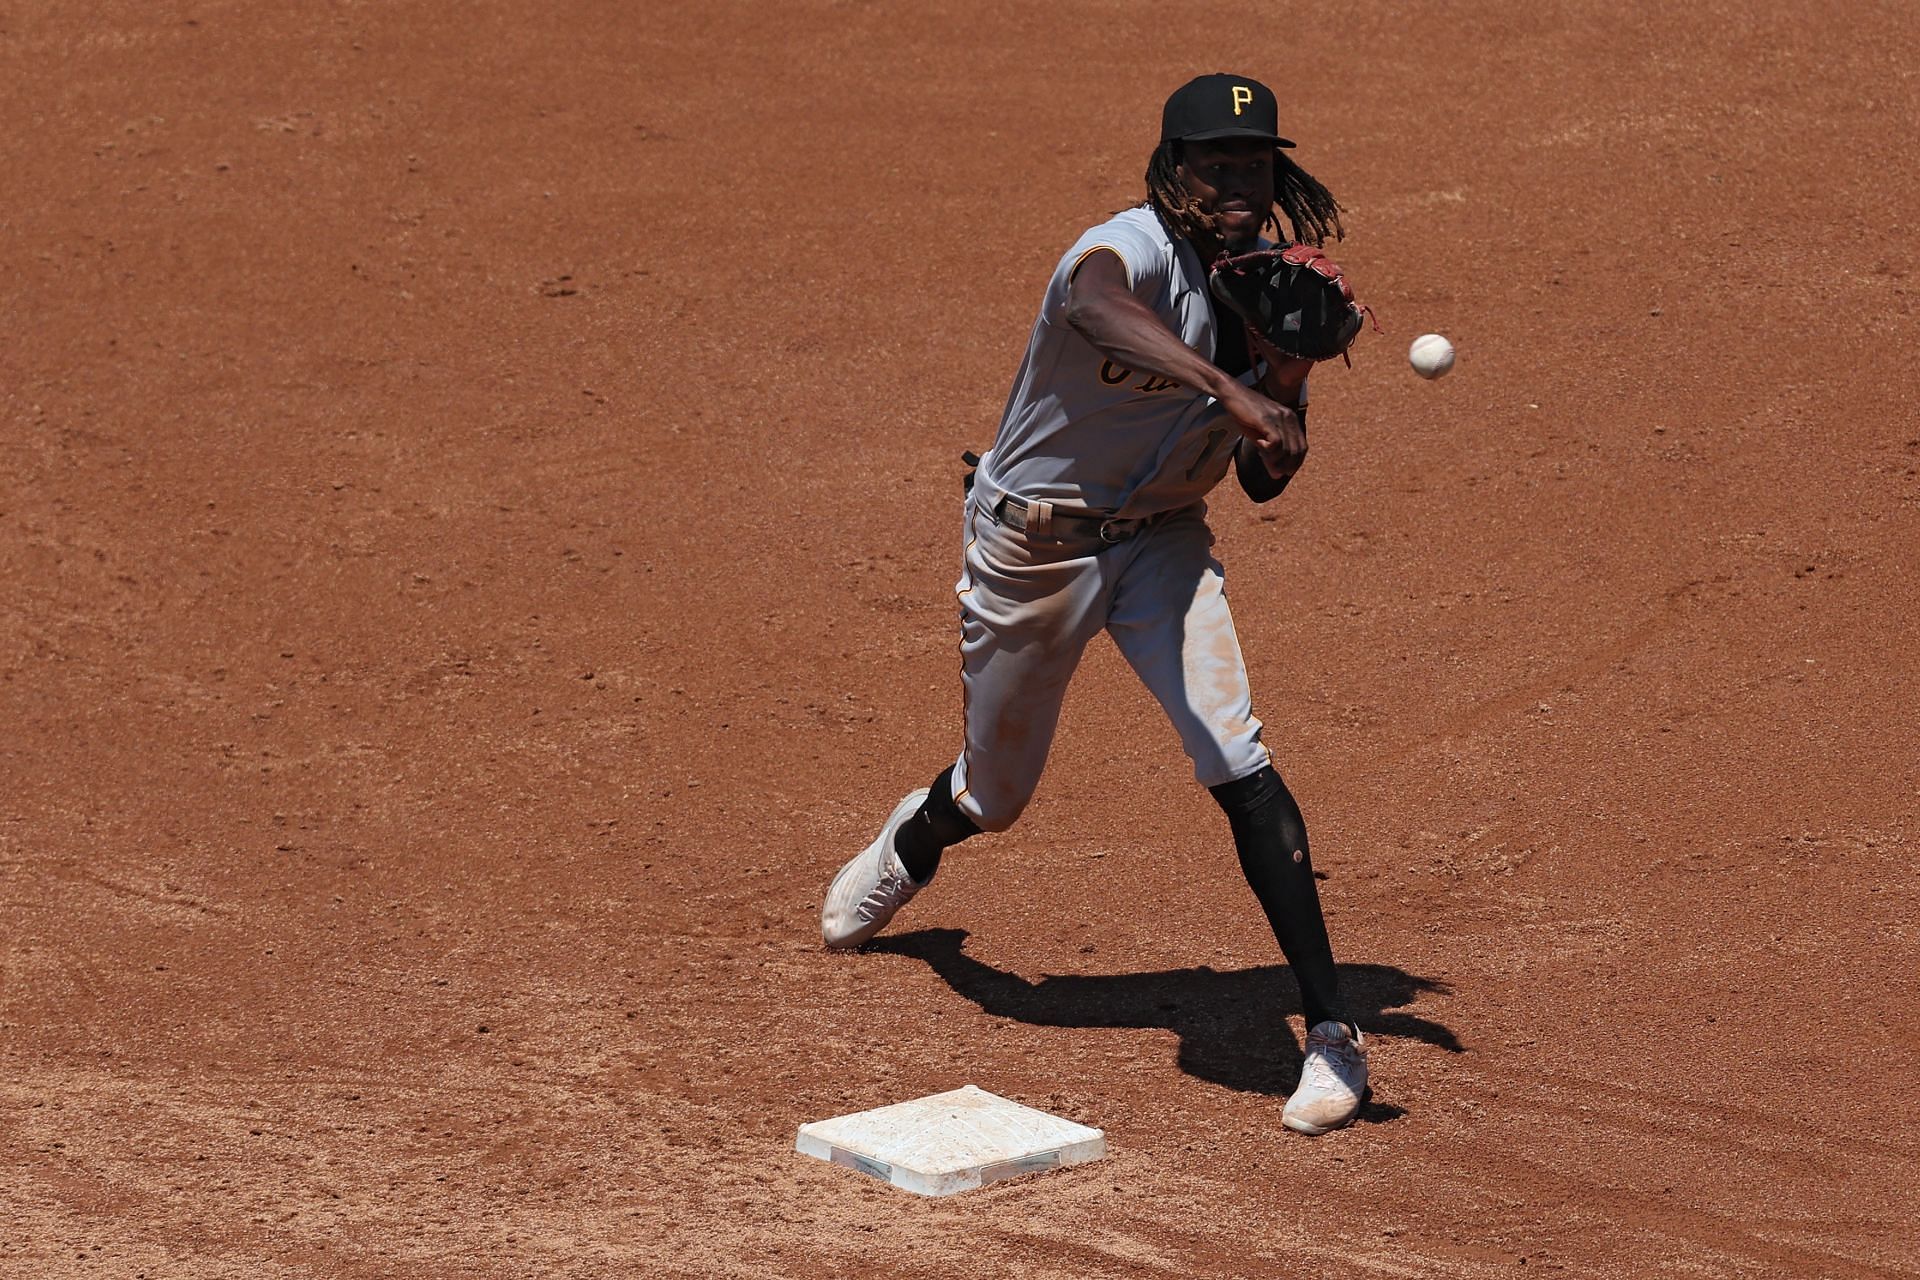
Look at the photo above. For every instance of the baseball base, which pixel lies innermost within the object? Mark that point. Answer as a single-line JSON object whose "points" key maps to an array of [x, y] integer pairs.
{"points": [[950, 1142]]}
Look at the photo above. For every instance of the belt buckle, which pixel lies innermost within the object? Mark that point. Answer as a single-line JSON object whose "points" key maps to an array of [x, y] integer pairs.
{"points": [[1111, 538]]}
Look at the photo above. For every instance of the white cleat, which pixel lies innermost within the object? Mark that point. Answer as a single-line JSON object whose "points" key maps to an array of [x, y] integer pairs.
{"points": [[1333, 1081], [869, 889]]}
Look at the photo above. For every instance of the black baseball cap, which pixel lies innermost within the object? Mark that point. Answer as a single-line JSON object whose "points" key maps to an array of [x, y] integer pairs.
{"points": [[1221, 106]]}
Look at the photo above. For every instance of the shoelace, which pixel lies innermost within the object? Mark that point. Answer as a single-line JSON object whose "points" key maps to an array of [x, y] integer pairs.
{"points": [[885, 897], [1329, 1062]]}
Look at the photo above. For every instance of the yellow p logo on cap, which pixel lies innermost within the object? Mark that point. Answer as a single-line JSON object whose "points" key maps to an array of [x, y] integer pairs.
{"points": [[1242, 97]]}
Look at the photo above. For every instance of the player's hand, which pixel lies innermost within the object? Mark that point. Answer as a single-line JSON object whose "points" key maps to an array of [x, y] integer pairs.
{"points": [[1280, 465], [1275, 430]]}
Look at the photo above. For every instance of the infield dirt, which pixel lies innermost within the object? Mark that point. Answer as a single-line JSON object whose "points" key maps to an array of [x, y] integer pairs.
{"points": [[476, 552]]}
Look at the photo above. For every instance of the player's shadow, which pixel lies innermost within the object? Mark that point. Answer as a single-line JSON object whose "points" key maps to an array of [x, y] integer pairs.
{"points": [[1231, 1024]]}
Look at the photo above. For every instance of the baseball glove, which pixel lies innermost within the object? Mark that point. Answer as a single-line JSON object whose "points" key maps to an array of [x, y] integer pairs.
{"points": [[1294, 300]]}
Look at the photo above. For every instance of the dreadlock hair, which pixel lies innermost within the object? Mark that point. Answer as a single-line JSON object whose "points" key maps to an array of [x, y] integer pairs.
{"points": [[1311, 211]]}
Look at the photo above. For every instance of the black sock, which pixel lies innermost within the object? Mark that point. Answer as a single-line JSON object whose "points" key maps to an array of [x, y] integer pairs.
{"points": [[938, 825], [1271, 837]]}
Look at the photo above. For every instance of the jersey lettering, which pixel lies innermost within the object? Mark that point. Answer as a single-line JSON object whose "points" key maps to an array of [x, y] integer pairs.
{"points": [[1113, 375]]}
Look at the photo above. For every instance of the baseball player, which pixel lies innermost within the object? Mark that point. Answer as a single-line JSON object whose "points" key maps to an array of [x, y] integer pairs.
{"points": [[1088, 514]]}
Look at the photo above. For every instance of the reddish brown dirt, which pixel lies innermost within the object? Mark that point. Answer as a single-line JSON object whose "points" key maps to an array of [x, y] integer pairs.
{"points": [[480, 510]]}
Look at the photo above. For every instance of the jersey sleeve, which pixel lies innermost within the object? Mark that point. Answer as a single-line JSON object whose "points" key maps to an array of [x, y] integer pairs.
{"points": [[1144, 256]]}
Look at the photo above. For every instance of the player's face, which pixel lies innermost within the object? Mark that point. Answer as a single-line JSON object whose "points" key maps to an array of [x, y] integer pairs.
{"points": [[1232, 178]]}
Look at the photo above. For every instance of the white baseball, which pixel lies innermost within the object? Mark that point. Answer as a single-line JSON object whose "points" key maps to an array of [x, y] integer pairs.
{"points": [[1431, 355]]}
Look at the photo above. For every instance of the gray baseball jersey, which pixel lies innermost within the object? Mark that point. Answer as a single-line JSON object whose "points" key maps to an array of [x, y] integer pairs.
{"points": [[1084, 432]]}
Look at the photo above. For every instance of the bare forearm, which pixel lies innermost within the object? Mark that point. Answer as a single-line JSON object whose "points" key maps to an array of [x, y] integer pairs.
{"points": [[1127, 332], [1103, 309]]}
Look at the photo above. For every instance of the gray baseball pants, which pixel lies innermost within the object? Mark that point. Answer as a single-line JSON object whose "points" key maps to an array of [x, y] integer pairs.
{"points": [[1030, 603]]}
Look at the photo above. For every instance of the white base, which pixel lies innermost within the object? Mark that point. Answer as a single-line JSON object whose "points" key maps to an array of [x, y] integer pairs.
{"points": [[950, 1142]]}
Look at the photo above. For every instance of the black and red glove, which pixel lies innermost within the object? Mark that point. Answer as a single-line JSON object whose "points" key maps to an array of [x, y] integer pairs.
{"points": [[1295, 301]]}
